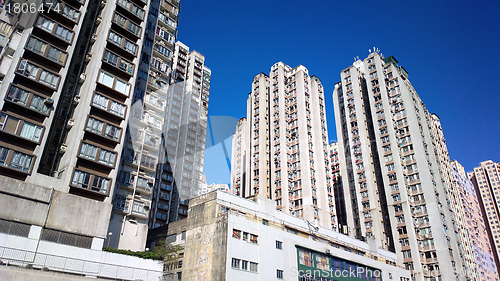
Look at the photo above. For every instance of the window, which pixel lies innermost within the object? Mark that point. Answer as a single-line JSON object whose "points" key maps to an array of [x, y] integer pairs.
{"points": [[254, 267], [114, 83], [244, 265], [64, 33], [22, 97], [44, 49], [171, 238], [236, 234], [82, 179], [36, 73], [88, 151], [279, 245], [235, 263], [107, 157], [3, 155], [70, 13], [253, 238], [21, 161], [31, 131], [279, 273]]}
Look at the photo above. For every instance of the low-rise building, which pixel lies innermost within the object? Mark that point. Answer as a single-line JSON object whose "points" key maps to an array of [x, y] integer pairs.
{"points": [[226, 237]]}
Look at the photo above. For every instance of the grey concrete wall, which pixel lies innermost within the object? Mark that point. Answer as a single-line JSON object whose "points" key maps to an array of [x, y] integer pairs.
{"points": [[206, 241], [29, 203]]}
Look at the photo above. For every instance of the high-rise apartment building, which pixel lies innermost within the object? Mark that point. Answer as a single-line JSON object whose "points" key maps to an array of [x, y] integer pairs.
{"points": [[288, 159], [136, 181], [338, 190], [395, 189], [486, 180], [180, 174], [482, 255], [66, 97], [240, 170]]}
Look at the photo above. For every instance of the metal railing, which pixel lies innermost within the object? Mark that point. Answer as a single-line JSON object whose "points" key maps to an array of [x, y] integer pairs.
{"points": [[30, 259]]}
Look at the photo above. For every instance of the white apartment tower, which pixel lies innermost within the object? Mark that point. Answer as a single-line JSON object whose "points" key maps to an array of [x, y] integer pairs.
{"points": [[179, 176], [240, 170], [288, 140], [395, 192], [136, 181]]}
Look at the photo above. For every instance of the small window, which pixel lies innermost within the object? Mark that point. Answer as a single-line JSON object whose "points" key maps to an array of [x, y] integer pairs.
{"points": [[236, 234], [279, 273], [244, 265], [235, 263], [254, 267], [171, 238], [279, 245], [253, 238]]}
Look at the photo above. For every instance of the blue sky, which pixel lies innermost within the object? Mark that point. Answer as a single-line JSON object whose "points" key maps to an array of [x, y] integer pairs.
{"points": [[449, 48]]}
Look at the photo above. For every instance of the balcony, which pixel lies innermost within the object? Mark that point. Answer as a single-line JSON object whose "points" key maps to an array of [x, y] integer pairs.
{"points": [[111, 82], [90, 182], [97, 154], [148, 162], [38, 74], [46, 50], [123, 22], [62, 8], [118, 62], [15, 160], [103, 129], [131, 8], [144, 184], [128, 46], [149, 119], [28, 99], [55, 29], [108, 105], [20, 128], [150, 140], [139, 209]]}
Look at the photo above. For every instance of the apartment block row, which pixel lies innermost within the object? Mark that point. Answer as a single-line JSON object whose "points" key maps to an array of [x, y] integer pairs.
{"points": [[389, 178], [226, 237], [103, 120]]}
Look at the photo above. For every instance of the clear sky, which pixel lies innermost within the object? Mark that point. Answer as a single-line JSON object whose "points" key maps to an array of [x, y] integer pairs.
{"points": [[450, 49]]}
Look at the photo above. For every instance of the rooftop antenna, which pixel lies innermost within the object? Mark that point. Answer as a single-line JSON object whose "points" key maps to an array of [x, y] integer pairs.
{"points": [[312, 227]]}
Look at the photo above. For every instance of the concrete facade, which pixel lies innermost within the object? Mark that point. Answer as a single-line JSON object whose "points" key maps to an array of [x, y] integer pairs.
{"points": [[142, 152], [240, 153], [395, 190], [288, 159], [338, 190], [482, 253], [486, 181], [231, 238]]}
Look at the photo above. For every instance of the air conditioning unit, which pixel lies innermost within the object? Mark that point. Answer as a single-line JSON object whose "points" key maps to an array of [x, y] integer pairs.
{"points": [[88, 57], [76, 100], [98, 20], [327, 251], [103, 3], [70, 123], [63, 148], [82, 78], [49, 101], [93, 38]]}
